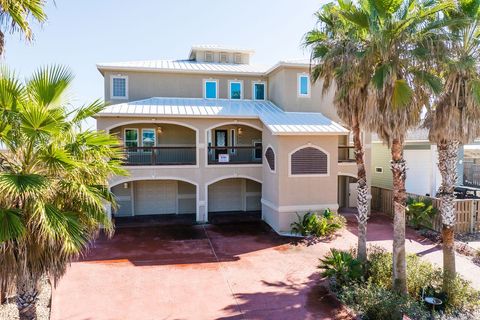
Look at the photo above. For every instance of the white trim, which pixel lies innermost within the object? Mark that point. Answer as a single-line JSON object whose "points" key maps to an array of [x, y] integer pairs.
{"points": [[154, 136], [205, 88], [232, 176], [299, 94], [230, 82], [253, 151], [308, 145], [125, 136], [141, 178], [274, 158], [299, 208], [345, 174], [347, 164], [264, 90], [125, 97]]}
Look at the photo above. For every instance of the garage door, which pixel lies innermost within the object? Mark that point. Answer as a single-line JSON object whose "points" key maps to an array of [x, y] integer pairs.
{"points": [[419, 173], [155, 197], [225, 195]]}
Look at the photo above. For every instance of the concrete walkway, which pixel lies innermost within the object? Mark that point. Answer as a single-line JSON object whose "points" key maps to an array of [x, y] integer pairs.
{"points": [[231, 271]]}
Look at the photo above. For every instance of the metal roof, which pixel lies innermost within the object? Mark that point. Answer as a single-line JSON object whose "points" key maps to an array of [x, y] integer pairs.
{"points": [[187, 66], [216, 47], [274, 118]]}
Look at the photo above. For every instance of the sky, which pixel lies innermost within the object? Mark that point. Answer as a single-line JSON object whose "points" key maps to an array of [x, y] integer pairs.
{"points": [[79, 34]]}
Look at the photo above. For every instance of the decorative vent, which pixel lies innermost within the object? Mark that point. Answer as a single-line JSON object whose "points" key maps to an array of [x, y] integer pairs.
{"points": [[309, 160], [270, 156]]}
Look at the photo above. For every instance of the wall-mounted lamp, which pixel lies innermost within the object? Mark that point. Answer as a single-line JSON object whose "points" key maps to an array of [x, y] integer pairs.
{"points": [[240, 130], [125, 185], [159, 130]]}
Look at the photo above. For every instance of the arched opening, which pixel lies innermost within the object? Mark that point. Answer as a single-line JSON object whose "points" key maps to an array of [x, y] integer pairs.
{"points": [[240, 197], [347, 192], [157, 143], [151, 199], [234, 143]]}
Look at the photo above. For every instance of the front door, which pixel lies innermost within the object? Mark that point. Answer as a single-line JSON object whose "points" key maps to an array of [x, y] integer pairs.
{"points": [[352, 195], [220, 141]]}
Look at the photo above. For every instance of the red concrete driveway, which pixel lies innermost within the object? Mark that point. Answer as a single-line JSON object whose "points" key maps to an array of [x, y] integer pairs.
{"points": [[237, 271]]}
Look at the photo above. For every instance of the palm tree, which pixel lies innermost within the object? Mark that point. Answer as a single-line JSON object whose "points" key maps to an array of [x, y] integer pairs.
{"points": [[336, 60], [15, 16], [397, 38], [53, 181], [455, 118]]}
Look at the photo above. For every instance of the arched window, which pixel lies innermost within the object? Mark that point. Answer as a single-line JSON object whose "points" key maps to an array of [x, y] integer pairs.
{"points": [[270, 156], [309, 161]]}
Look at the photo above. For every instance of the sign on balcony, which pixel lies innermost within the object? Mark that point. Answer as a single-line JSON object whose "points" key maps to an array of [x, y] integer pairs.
{"points": [[223, 158]]}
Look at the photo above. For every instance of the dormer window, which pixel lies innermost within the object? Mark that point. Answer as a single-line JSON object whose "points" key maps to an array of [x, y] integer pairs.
{"points": [[223, 57], [119, 87], [238, 58], [209, 56]]}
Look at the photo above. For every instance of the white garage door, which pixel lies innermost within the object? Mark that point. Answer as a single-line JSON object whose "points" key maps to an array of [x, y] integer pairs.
{"points": [[419, 163], [225, 195], [155, 197]]}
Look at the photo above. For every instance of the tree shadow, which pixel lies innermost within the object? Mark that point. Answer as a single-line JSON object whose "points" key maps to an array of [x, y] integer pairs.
{"points": [[283, 300]]}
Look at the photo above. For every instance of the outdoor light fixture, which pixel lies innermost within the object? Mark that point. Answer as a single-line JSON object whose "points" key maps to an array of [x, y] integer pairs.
{"points": [[125, 185], [159, 130], [240, 130]]}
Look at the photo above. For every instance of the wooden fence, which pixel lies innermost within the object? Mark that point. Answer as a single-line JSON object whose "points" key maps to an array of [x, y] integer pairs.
{"points": [[467, 210]]}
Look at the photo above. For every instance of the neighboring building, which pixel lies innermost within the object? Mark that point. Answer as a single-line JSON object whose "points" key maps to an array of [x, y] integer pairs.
{"points": [[421, 155], [215, 133]]}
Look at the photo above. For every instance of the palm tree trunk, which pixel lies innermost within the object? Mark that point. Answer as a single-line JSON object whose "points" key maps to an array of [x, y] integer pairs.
{"points": [[447, 164], [27, 293], [2, 42], [362, 192], [399, 171]]}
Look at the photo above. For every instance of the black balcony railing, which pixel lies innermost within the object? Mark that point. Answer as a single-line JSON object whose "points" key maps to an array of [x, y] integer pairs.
{"points": [[346, 154], [235, 155], [160, 156]]}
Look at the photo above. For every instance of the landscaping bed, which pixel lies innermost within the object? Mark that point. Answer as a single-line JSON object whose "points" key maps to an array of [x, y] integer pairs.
{"points": [[9, 310]]}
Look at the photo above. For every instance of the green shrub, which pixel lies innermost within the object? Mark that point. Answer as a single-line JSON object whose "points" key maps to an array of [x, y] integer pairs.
{"points": [[420, 212], [320, 226], [375, 303], [341, 266]]}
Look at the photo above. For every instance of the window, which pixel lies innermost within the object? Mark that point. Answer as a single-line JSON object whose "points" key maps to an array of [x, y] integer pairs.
{"points": [[210, 89], [223, 57], [238, 58], [378, 169], [258, 91], [236, 90], [270, 157], [119, 88], [209, 56], [303, 85], [309, 161], [131, 138], [257, 151], [148, 138]]}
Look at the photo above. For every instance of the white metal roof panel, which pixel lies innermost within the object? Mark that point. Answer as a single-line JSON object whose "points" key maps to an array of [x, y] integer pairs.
{"points": [[274, 118]]}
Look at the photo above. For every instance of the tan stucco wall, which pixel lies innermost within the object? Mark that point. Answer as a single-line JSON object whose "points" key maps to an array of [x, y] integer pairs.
{"points": [[144, 85], [282, 88]]}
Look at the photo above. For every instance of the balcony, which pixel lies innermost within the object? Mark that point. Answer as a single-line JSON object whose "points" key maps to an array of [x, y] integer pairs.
{"points": [[346, 154], [235, 155], [159, 156]]}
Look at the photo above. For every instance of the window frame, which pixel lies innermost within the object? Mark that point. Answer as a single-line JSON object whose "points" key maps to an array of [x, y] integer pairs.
{"points": [[239, 56], [299, 85], [223, 54], [205, 88], [264, 90], [125, 137], [154, 136], [230, 82], [255, 141], [274, 159], [318, 175], [112, 77], [207, 53]]}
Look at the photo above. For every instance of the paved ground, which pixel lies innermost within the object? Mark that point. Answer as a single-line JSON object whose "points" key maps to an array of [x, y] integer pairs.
{"points": [[237, 271]]}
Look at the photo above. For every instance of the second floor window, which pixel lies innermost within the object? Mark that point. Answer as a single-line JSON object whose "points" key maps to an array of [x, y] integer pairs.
{"points": [[210, 90], [148, 137], [259, 91], [131, 137], [303, 85], [119, 87], [235, 90]]}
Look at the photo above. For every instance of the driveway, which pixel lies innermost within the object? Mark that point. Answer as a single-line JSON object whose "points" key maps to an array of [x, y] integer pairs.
{"points": [[228, 271]]}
